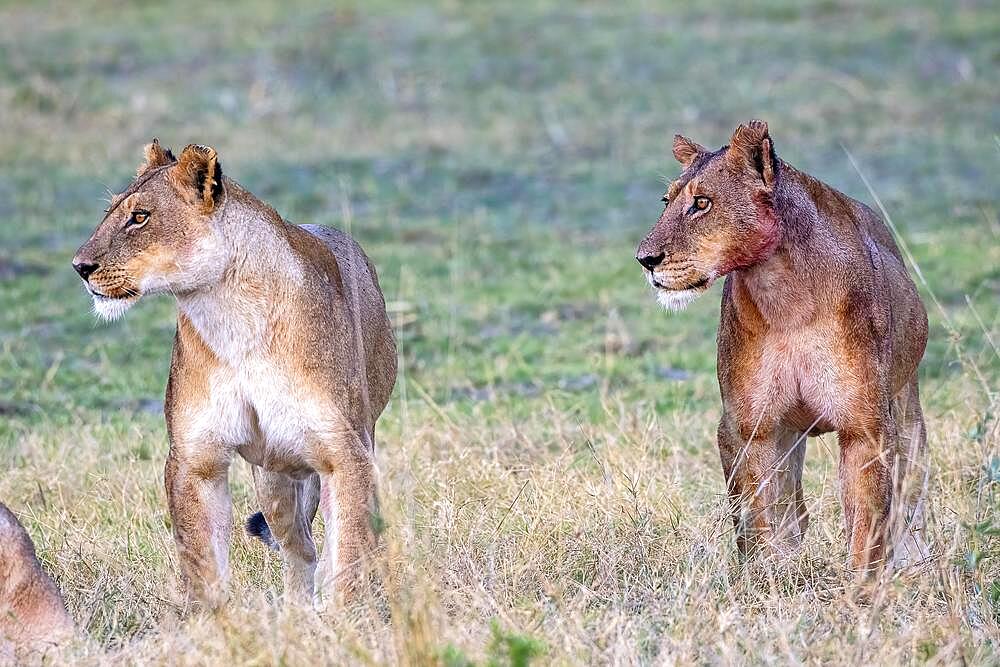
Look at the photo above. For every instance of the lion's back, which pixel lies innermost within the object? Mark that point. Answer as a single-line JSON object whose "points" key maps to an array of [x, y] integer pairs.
{"points": [[364, 294]]}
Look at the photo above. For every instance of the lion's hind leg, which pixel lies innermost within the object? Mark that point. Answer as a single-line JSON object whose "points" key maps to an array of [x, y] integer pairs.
{"points": [[288, 507], [910, 477]]}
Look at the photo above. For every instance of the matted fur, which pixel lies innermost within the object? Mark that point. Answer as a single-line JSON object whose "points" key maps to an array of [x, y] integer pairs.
{"points": [[284, 355], [821, 330]]}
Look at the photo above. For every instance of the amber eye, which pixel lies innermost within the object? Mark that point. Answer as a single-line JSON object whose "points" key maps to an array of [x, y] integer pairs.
{"points": [[137, 219], [701, 203]]}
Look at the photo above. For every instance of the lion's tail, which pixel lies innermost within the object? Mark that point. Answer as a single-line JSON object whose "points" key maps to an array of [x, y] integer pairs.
{"points": [[256, 526]]}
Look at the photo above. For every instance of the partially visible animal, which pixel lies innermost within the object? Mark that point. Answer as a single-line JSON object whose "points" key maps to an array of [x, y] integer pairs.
{"points": [[33, 616], [821, 330], [284, 355]]}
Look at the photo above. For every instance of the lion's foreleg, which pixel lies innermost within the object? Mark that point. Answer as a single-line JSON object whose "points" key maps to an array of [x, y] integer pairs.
{"points": [[348, 504], [733, 455], [866, 493], [201, 511], [764, 483]]}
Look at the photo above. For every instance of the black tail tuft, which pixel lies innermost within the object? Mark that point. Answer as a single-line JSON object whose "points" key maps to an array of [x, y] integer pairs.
{"points": [[257, 527]]}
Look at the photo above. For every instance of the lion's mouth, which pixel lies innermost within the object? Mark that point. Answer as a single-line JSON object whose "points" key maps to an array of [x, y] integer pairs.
{"points": [[99, 296], [698, 284]]}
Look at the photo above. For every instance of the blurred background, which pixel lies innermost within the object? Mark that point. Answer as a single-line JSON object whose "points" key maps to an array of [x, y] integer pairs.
{"points": [[499, 162]]}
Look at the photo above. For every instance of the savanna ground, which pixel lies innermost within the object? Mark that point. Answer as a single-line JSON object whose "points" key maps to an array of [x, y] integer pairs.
{"points": [[550, 481]]}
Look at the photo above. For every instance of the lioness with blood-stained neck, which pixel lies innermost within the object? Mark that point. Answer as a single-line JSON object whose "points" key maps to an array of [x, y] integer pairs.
{"points": [[283, 355], [821, 330]]}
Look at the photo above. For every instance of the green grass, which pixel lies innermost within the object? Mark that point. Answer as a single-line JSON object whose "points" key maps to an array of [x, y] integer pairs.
{"points": [[500, 163]]}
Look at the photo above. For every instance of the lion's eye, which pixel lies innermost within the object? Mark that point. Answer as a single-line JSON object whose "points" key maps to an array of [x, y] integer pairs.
{"points": [[137, 219], [701, 203]]}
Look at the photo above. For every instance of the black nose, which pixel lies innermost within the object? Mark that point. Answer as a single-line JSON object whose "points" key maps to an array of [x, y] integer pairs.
{"points": [[85, 268], [651, 261]]}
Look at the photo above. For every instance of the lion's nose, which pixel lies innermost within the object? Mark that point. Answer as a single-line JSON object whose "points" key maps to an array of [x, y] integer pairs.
{"points": [[85, 268], [650, 261]]}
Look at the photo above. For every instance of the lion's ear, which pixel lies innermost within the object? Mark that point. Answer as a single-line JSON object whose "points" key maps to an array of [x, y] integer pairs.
{"points": [[751, 148], [686, 151], [198, 176], [155, 156]]}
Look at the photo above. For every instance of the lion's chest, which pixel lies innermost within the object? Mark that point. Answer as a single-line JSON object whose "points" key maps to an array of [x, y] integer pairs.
{"points": [[795, 377], [268, 417]]}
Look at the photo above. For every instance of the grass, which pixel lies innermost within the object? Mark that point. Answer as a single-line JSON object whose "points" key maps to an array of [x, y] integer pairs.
{"points": [[549, 475]]}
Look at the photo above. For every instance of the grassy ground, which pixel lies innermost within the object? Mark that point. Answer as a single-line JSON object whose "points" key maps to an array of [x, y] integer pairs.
{"points": [[549, 473]]}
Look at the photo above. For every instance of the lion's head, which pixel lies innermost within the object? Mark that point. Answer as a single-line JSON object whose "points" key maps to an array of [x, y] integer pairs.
{"points": [[159, 234], [718, 217]]}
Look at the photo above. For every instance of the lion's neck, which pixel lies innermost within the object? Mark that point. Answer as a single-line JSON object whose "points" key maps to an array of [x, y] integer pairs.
{"points": [[780, 291], [235, 314]]}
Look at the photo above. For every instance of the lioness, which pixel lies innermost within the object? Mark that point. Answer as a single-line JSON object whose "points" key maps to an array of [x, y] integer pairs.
{"points": [[821, 330], [283, 354], [32, 613]]}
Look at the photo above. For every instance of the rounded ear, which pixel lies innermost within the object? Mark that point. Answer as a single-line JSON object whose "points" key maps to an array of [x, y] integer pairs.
{"points": [[686, 151], [198, 176], [155, 156], [751, 148]]}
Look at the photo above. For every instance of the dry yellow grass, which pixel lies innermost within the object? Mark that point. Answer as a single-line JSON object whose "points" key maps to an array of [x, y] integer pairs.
{"points": [[603, 543]]}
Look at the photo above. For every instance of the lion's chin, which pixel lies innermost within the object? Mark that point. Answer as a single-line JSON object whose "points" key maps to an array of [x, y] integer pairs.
{"points": [[675, 300], [109, 309], [678, 299]]}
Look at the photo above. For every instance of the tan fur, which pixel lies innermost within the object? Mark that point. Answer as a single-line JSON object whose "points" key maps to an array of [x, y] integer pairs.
{"points": [[32, 614], [821, 330], [283, 354]]}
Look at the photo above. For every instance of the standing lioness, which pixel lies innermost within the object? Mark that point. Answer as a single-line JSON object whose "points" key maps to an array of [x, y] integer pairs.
{"points": [[822, 330], [283, 354]]}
